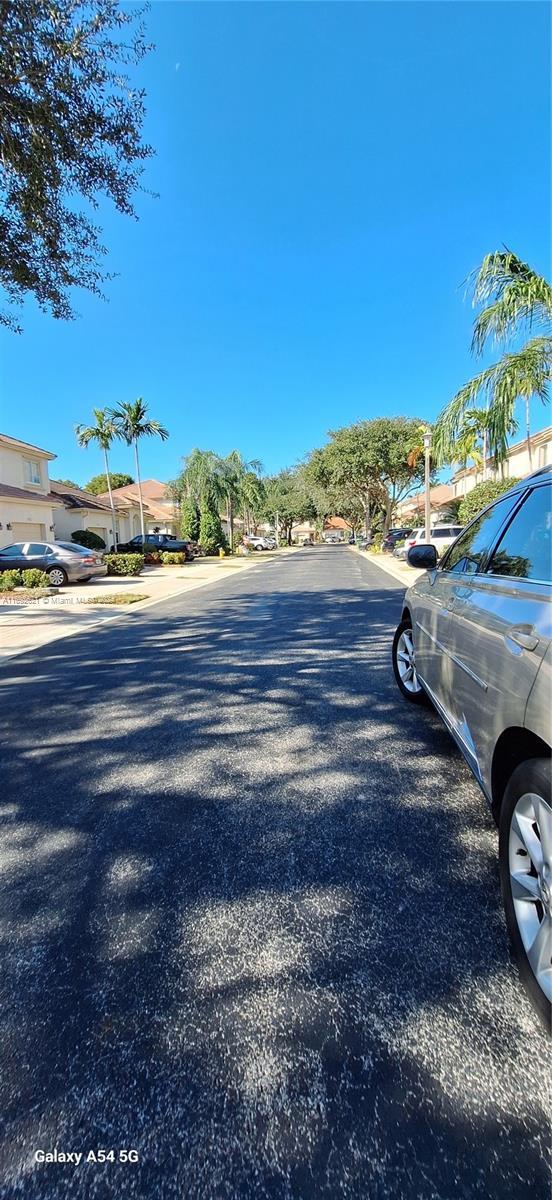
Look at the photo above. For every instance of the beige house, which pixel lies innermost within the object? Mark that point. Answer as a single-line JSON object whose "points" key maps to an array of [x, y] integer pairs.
{"points": [[411, 510], [28, 509], [517, 464], [159, 509], [81, 510]]}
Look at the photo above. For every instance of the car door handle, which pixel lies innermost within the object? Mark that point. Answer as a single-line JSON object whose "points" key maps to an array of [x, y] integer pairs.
{"points": [[523, 636]]}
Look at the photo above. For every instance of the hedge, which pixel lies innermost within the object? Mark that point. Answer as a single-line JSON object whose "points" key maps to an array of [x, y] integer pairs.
{"points": [[482, 495], [173, 558], [31, 578], [124, 564]]}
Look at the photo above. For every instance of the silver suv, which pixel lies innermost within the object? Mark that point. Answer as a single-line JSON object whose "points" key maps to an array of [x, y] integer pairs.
{"points": [[476, 638]]}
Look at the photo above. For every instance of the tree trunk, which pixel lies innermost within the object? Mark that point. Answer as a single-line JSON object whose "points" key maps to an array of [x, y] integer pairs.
{"points": [[528, 434], [139, 482], [113, 517], [388, 515]]}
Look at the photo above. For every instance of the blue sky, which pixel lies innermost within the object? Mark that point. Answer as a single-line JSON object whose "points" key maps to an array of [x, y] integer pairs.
{"points": [[328, 174]]}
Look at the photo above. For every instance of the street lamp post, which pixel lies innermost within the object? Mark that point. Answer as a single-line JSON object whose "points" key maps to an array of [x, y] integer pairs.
{"points": [[427, 446]]}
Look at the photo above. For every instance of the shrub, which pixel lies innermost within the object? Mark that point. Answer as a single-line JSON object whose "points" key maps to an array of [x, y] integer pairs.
{"points": [[34, 578], [211, 533], [10, 580], [189, 521], [173, 558], [124, 564], [482, 495], [85, 537], [376, 544]]}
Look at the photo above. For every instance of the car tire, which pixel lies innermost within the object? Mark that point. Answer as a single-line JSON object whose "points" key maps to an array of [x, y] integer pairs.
{"points": [[526, 890], [404, 664], [57, 576]]}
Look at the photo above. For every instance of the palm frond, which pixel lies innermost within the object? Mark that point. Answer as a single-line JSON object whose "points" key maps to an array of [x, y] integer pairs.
{"points": [[521, 375], [519, 297]]}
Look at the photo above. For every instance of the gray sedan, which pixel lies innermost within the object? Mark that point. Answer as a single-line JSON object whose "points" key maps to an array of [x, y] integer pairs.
{"points": [[63, 562], [475, 638]]}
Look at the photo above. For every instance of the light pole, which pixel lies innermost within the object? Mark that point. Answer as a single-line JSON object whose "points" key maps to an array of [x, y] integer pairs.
{"points": [[427, 446]]}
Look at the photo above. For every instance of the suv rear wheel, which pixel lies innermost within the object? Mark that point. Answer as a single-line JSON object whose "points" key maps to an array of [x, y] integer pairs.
{"points": [[525, 856]]}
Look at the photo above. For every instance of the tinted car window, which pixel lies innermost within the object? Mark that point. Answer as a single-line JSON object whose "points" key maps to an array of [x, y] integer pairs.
{"points": [[525, 550], [13, 551], [37, 548], [470, 551]]}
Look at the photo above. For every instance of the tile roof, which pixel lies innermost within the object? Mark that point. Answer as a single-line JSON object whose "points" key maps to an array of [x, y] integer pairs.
{"points": [[77, 498], [15, 493]]}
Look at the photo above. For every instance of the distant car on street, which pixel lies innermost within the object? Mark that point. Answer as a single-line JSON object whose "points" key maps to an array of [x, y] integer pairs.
{"points": [[161, 541], [308, 541], [256, 543], [475, 637], [63, 562]]}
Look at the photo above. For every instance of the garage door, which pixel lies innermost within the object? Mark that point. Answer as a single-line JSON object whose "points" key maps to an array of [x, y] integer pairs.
{"points": [[26, 531]]}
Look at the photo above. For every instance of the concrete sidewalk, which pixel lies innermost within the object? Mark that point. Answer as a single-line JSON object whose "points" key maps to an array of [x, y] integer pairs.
{"points": [[399, 570]]}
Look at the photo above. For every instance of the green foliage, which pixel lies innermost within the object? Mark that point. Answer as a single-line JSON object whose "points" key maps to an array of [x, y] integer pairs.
{"points": [[67, 483], [124, 564], [211, 534], [98, 483], [376, 543], [85, 537], [34, 578], [71, 134], [173, 558], [10, 580], [513, 299], [371, 465], [131, 422], [287, 496], [189, 520], [482, 495]]}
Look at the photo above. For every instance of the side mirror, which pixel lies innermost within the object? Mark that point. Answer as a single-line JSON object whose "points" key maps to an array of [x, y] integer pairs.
{"points": [[424, 556]]}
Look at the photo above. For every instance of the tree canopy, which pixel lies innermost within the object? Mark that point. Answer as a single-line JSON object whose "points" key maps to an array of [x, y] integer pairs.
{"points": [[70, 133], [98, 483], [370, 465]]}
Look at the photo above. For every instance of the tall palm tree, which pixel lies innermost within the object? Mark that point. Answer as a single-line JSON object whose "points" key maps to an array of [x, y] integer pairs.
{"points": [[103, 433], [238, 486], [132, 423], [514, 299]]}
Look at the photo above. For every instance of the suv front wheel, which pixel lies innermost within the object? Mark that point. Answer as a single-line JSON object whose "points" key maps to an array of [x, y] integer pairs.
{"points": [[525, 855]]}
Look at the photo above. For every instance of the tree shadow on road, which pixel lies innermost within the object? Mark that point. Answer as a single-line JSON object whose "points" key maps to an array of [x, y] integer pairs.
{"points": [[251, 916]]}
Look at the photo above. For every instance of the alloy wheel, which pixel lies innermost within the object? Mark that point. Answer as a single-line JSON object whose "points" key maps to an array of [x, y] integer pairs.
{"points": [[530, 865], [406, 662], [57, 577]]}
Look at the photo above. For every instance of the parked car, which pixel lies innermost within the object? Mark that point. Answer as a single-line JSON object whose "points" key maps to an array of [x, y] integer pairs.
{"points": [[475, 637], [63, 562], [256, 543], [308, 541], [332, 539], [442, 536], [161, 541], [394, 535]]}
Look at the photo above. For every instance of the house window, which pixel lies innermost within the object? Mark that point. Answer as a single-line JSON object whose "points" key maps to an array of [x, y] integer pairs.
{"points": [[542, 456], [32, 471]]}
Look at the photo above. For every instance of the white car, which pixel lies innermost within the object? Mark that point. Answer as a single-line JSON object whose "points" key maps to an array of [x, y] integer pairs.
{"points": [[442, 536], [256, 543]]}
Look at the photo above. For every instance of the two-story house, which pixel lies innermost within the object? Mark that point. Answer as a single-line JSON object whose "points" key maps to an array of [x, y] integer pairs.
{"points": [[27, 506]]}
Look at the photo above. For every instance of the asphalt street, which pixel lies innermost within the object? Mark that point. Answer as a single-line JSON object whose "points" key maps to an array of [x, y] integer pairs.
{"points": [[250, 914]]}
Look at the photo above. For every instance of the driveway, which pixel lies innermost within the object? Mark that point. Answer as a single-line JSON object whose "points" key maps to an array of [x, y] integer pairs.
{"points": [[251, 920]]}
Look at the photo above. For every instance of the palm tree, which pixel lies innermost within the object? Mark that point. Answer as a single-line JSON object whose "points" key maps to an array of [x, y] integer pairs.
{"points": [[103, 432], [238, 484], [514, 298], [131, 423]]}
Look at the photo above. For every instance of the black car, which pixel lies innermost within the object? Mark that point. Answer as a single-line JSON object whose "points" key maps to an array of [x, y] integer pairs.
{"points": [[394, 536], [161, 541]]}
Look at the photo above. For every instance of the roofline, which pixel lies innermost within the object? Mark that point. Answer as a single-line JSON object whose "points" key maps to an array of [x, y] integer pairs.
{"points": [[14, 443]]}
